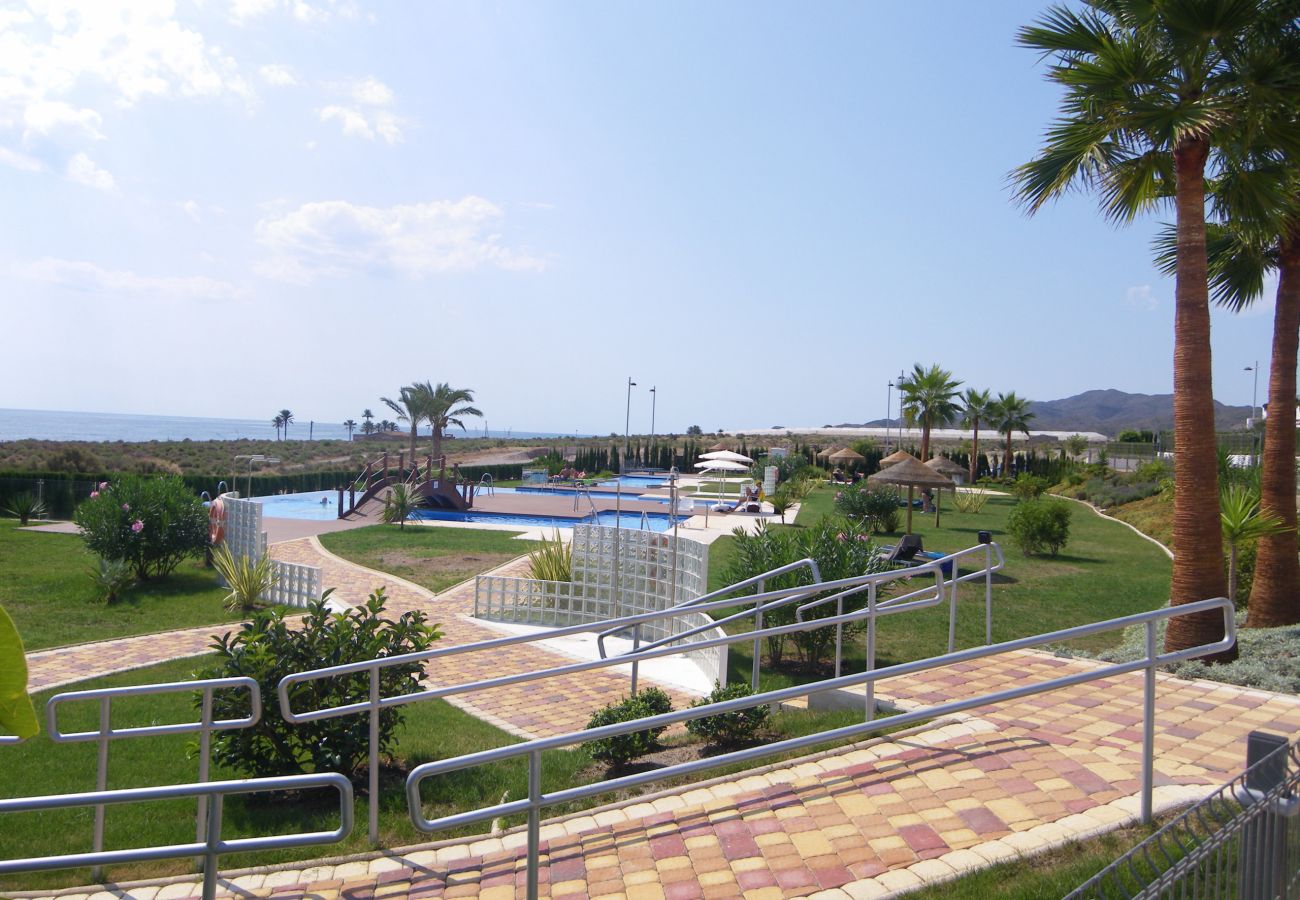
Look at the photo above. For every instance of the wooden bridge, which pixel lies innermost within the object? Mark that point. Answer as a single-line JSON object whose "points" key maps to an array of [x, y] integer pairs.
{"points": [[420, 476]]}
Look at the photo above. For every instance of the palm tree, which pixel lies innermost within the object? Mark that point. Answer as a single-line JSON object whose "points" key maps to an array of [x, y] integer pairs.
{"points": [[448, 406], [400, 504], [367, 427], [1150, 89], [367, 415], [1243, 520], [976, 406], [1010, 414], [412, 406], [286, 418], [278, 422], [928, 396], [350, 425]]}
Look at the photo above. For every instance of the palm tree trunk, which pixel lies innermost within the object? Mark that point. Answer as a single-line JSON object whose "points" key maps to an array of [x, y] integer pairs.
{"points": [[974, 452], [1275, 595], [1007, 458], [925, 437], [1232, 572], [415, 430], [437, 442], [1197, 532]]}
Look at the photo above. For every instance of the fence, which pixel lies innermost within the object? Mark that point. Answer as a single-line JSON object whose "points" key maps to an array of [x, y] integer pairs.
{"points": [[1237, 842], [295, 584], [616, 572]]}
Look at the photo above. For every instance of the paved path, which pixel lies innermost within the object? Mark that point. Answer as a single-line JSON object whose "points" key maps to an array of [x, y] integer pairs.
{"points": [[866, 821]]}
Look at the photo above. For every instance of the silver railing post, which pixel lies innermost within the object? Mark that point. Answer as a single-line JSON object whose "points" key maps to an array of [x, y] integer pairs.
{"points": [[839, 636], [213, 840], [988, 593], [205, 755], [101, 779], [1149, 722], [871, 650], [534, 821], [636, 644], [374, 755], [952, 608], [758, 642]]}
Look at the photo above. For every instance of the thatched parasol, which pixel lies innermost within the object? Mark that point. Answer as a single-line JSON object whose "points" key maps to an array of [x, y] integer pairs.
{"points": [[912, 473], [947, 467], [846, 456], [822, 454], [895, 457]]}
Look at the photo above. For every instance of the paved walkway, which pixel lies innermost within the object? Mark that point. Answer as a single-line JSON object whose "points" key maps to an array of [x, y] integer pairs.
{"points": [[867, 821]]}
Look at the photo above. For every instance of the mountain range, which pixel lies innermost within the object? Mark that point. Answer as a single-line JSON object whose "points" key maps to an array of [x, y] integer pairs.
{"points": [[1111, 411]]}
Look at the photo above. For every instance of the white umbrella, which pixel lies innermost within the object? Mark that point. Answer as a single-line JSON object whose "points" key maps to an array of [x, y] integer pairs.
{"points": [[727, 456], [721, 465]]}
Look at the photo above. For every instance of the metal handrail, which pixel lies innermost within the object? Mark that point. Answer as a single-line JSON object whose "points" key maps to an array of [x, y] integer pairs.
{"points": [[533, 749], [107, 733], [210, 847]]}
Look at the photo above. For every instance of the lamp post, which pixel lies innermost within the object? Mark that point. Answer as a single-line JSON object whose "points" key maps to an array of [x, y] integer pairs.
{"points": [[653, 398], [889, 408], [627, 420], [899, 385], [1252, 422]]}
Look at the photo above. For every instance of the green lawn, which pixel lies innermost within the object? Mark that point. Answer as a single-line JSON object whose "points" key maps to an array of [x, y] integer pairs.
{"points": [[432, 730], [435, 558], [1104, 571], [45, 586]]}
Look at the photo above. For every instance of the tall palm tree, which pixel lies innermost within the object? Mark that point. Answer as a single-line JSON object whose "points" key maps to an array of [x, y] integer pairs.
{"points": [[412, 406], [367, 427], [976, 406], [1010, 414], [448, 407], [1151, 87], [928, 397], [286, 417], [350, 425], [367, 415], [278, 422]]}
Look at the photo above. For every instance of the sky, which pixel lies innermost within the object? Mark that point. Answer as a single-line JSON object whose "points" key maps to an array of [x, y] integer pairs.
{"points": [[763, 210]]}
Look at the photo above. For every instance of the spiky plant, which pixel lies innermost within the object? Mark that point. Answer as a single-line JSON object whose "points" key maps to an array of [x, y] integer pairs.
{"points": [[553, 561], [24, 506], [400, 504], [246, 578], [1242, 521]]}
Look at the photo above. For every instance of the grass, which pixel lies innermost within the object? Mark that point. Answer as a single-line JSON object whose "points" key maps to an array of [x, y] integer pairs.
{"points": [[1051, 874], [432, 730], [432, 557], [45, 585], [1105, 571], [1151, 515]]}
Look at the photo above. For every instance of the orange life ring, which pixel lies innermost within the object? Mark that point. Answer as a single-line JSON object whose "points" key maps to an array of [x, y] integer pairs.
{"points": [[216, 522]]}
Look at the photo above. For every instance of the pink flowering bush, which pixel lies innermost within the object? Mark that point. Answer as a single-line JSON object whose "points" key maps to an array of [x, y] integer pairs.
{"points": [[150, 523]]}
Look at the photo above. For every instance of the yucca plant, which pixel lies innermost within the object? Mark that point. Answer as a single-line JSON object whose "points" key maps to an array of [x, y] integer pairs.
{"points": [[1244, 521], [970, 501], [247, 579], [111, 577], [24, 506], [553, 561], [400, 505], [782, 500]]}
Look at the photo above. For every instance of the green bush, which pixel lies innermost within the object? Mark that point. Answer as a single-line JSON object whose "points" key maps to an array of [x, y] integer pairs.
{"points": [[270, 647], [150, 522], [621, 749], [1029, 487], [878, 507], [23, 507], [726, 729], [1038, 525]]}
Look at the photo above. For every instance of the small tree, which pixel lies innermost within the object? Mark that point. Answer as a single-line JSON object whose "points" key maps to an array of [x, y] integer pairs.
{"points": [[269, 648], [1040, 525], [150, 522], [400, 505], [1243, 521]]}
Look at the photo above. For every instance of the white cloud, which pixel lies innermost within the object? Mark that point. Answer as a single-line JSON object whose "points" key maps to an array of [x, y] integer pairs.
{"points": [[1141, 297], [20, 161], [193, 210], [278, 75], [244, 11], [83, 170], [334, 237], [90, 278], [367, 115], [44, 117]]}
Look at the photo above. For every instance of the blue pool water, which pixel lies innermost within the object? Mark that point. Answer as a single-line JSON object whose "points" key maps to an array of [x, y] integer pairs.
{"points": [[306, 505], [635, 481], [656, 521]]}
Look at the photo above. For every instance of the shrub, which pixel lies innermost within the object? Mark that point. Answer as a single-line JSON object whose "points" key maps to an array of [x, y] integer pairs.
{"points": [[621, 749], [553, 561], [247, 579], [969, 501], [1038, 525], [24, 506], [151, 523], [400, 504], [1029, 487], [782, 500], [269, 648], [878, 507], [724, 729], [111, 577]]}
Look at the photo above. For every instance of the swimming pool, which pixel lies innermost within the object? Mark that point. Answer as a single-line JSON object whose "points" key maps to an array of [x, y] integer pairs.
{"points": [[306, 505], [656, 521]]}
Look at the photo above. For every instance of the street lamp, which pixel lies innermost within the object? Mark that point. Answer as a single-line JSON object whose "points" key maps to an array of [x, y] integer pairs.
{"points": [[627, 419], [1251, 422], [889, 407], [899, 385], [653, 398]]}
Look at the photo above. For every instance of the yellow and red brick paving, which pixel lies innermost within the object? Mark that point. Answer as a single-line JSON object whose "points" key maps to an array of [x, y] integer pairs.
{"points": [[856, 822]]}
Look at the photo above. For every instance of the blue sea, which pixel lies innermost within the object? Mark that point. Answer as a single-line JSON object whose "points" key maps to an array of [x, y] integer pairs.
{"points": [[60, 425]]}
